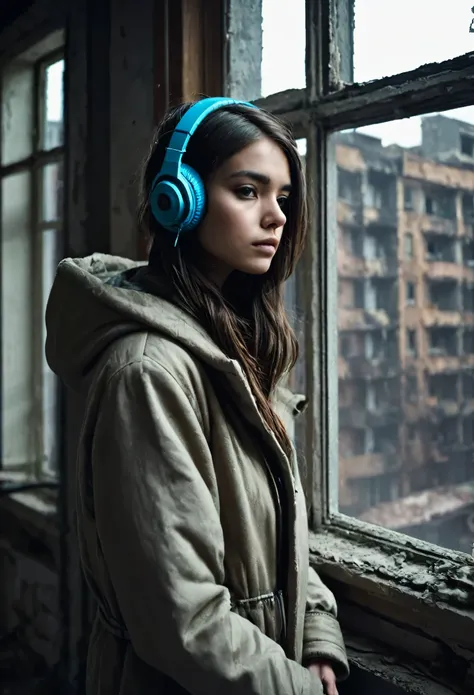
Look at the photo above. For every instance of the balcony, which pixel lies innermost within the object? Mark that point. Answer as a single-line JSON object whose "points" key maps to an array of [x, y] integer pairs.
{"points": [[380, 217], [381, 267], [353, 416], [438, 270], [431, 224], [349, 213], [437, 317], [360, 319], [361, 466], [361, 367], [436, 364], [358, 417], [440, 408], [384, 414], [353, 266]]}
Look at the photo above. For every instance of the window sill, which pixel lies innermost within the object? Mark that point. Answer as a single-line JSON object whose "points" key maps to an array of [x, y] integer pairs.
{"points": [[404, 594], [396, 668]]}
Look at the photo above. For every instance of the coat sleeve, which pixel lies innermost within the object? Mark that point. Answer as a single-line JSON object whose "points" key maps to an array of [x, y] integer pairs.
{"points": [[322, 635], [157, 517]]}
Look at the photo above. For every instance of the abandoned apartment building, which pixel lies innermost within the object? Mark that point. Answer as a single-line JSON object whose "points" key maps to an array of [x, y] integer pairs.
{"points": [[382, 303], [406, 331]]}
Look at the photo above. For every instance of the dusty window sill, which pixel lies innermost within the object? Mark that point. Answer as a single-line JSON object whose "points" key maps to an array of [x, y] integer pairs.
{"points": [[396, 669], [407, 597]]}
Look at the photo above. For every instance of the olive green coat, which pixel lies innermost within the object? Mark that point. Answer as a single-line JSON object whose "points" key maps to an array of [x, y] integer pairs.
{"points": [[186, 504]]}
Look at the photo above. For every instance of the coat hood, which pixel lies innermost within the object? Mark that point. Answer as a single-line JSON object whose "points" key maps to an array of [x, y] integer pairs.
{"points": [[94, 301]]}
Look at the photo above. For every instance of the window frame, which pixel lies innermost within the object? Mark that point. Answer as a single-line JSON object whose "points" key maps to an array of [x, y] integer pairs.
{"points": [[39, 56], [372, 568]]}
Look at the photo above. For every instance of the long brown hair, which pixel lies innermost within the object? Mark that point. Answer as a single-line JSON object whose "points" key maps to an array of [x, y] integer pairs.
{"points": [[246, 317]]}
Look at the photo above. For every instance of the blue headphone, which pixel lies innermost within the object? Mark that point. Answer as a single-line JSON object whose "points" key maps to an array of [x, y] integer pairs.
{"points": [[177, 197]]}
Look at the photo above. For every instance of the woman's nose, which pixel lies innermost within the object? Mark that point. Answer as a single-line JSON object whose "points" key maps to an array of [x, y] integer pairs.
{"points": [[275, 217]]}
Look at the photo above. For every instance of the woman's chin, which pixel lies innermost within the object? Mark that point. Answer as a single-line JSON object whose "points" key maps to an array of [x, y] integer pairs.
{"points": [[256, 268]]}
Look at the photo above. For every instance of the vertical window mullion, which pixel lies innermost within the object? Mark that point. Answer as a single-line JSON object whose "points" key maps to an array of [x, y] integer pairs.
{"points": [[316, 328], [330, 318], [36, 197]]}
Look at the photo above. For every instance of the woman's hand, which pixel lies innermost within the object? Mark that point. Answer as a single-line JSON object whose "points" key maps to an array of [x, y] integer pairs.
{"points": [[324, 671]]}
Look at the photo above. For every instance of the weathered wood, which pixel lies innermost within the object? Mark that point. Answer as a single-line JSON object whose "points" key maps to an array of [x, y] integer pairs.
{"points": [[433, 87]]}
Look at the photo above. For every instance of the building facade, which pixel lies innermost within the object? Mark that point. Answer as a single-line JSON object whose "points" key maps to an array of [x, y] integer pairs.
{"points": [[405, 221]]}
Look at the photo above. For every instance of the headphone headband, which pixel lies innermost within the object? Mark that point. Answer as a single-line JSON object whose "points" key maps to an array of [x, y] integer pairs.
{"points": [[188, 124], [177, 197]]}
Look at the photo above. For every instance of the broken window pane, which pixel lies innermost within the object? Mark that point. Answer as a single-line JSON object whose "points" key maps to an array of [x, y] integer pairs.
{"points": [[404, 221], [428, 32]]}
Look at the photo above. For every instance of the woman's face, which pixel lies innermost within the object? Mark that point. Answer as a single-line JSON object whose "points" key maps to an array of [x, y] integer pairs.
{"points": [[246, 200]]}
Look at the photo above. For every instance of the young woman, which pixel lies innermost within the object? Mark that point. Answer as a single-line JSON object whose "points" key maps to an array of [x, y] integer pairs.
{"points": [[191, 517]]}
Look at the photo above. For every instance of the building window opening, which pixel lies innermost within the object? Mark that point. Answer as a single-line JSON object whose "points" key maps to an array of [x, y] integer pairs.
{"points": [[442, 341], [467, 145], [411, 343], [410, 294], [443, 295], [443, 387], [440, 249]]}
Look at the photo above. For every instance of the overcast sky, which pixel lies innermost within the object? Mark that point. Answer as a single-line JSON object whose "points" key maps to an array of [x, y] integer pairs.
{"points": [[389, 38]]}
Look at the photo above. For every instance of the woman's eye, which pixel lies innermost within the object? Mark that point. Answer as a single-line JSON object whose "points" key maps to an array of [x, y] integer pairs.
{"points": [[283, 202], [246, 192]]}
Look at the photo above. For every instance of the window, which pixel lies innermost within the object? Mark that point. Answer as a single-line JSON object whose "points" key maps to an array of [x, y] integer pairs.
{"points": [[468, 385], [411, 343], [408, 196], [411, 389], [467, 144], [440, 203], [444, 295], [443, 387], [468, 341], [382, 157], [440, 248], [353, 242], [408, 246], [32, 166], [468, 253], [468, 207], [349, 187], [443, 341]]}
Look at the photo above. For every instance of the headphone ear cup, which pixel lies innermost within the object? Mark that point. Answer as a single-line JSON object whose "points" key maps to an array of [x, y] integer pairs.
{"points": [[197, 197]]}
